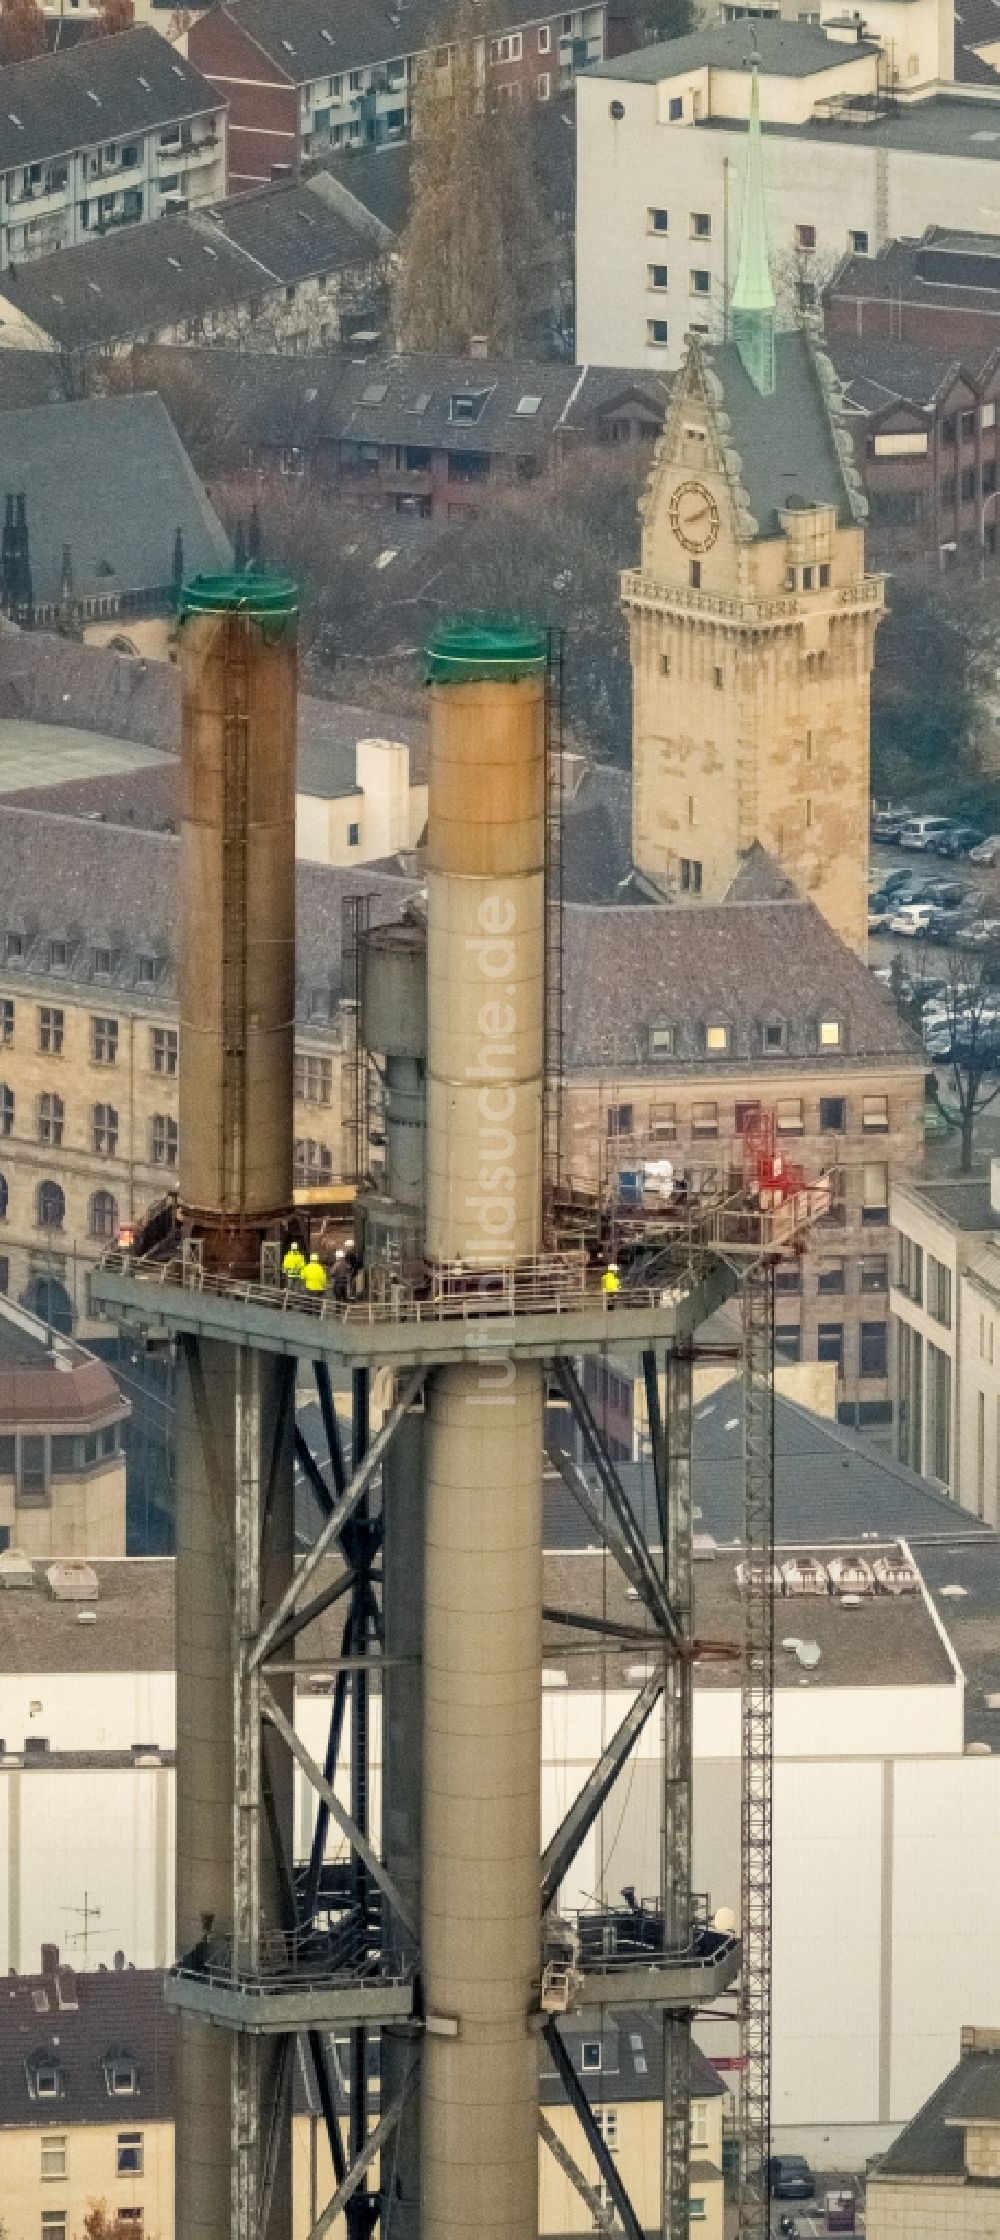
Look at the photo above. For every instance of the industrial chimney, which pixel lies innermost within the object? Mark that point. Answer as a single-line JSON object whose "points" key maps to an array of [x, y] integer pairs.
{"points": [[237, 993]]}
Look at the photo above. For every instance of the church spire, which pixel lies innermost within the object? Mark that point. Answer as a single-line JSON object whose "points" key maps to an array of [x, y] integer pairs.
{"points": [[752, 310]]}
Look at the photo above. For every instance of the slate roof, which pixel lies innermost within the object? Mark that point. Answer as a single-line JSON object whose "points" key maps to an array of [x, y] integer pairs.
{"points": [[292, 36], [786, 50], [257, 401], [51, 96], [109, 477], [106, 887], [877, 375], [894, 273], [625, 970], [47, 1379], [378, 180], [631, 2042], [785, 441], [115, 2012], [139, 280], [933, 2144]]}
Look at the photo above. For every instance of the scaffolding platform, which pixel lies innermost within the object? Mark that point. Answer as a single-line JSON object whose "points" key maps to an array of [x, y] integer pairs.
{"points": [[301, 1981], [622, 1961]]}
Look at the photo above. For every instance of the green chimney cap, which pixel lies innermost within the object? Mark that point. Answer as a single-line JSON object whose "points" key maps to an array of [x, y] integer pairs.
{"points": [[272, 597], [474, 652]]}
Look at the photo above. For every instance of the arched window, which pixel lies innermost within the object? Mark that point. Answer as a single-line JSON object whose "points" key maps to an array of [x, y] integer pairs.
{"points": [[50, 1300], [313, 1164], [163, 1140], [51, 1206], [6, 1110], [51, 1115], [4, 1194], [105, 1130], [103, 1214]]}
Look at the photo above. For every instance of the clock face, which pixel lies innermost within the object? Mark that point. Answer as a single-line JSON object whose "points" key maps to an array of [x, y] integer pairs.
{"points": [[694, 517]]}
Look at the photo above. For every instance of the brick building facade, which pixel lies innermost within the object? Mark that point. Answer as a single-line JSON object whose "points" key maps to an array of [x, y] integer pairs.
{"points": [[295, 87]]}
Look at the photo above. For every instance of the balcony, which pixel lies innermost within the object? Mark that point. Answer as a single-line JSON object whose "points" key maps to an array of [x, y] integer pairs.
{"points": [[623, 1960], [179, 153]]}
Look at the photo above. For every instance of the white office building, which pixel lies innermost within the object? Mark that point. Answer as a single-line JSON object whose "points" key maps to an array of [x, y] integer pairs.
{"points": [[865, 138]]}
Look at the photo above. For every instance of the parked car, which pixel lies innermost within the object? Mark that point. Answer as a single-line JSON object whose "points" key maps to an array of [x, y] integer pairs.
{"points": [[880, 909], [791, 2178], [912, 919], [895, 882], [988, 850], [945, 924], [960, 841], [946, 894], [923, 833], [887, 824]]}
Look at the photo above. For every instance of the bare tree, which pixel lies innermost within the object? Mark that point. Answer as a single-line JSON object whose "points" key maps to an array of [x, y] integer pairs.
{"points": [[971, 1036], [113, 15], [475, 258], [104, 2223], [22, 31]]}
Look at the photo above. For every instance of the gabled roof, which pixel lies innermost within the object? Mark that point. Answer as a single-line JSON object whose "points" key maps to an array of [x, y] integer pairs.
{"points": [[111, 2012], [109, 477], [308, 39], [102, 90], [141, 279], [878, 376], [933, 2144]]}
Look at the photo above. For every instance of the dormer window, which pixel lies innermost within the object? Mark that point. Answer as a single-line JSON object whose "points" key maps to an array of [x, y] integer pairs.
{"points": [[717, 1039], [148, 971], [103, 964], [775, 1036], [830, 1034], [662, 1042], [14, 948], [45, 2079], [58, 956], [121, 2075], [467, 405]]}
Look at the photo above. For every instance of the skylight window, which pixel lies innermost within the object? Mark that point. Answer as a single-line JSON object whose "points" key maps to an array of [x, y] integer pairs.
{"points": [[176, 262], [420, 403], [210, 252], [94, 287], [288, 47], [527, 407], [15, 120], [94, 97], [328, 36], [176, 68], [375, 392], [145, 84]]}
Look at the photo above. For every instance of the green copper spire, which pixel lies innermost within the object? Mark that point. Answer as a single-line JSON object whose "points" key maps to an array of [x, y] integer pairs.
{"points": [[751, 312]]}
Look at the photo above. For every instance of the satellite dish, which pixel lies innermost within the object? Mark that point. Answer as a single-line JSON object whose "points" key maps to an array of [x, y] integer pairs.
{"points": [[791, 1641], [808, 1654], [724, 1920]]}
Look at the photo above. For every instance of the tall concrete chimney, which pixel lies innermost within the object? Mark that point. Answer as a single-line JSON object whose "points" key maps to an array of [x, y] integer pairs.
{"points": [[482, 1638], [237, 991]]}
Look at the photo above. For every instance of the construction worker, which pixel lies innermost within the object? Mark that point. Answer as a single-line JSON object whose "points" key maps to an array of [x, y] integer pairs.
{"points": [[314, 1276], [293, 1265], [611, 1282]]}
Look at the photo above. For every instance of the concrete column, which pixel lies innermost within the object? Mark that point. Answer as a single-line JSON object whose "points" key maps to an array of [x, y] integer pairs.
{"points": [[482, 1621]]}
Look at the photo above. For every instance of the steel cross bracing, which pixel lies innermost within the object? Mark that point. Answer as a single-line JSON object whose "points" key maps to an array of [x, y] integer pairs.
{"points": [[757, 1750], [678, 1745]]}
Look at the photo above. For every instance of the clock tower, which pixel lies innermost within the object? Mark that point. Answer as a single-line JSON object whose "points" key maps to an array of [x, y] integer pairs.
{"points": [[752, 618]]}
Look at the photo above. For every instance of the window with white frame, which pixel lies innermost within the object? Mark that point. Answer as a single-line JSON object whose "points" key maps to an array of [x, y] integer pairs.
{"points": [[54, 2158], [130, 2154], [544, 38]]}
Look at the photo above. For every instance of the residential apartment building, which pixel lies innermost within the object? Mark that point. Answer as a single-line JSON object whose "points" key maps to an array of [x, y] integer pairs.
{"points": [[925, 435], [89, 1044], [945, 1304], [281, 268], [413, 435], [680, 1026], [942, 2175], [852, 161], [111, 132], [308, 77], [86, 2111], [62, 1465]]}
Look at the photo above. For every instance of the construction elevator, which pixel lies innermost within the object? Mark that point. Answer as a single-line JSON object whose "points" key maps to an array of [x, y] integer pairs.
{"points": [[424, 1926]]}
